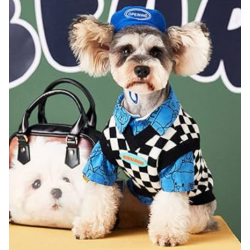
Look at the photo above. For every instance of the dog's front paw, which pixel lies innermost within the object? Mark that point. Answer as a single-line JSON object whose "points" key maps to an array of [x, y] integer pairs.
{"points": [[168, 237], [88, 230]]}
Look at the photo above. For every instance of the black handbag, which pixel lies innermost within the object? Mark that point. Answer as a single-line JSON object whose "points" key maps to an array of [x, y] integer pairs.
{"points": [[84, 128], [74, 139]]}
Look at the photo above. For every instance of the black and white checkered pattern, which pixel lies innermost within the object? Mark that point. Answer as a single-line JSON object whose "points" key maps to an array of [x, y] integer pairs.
{"points": [[183, 129], [203, 179], [143, 177]]}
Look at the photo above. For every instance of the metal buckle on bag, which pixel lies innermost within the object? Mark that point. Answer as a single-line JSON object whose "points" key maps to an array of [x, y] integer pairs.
{"points": [[22, 138], [72, 140]]}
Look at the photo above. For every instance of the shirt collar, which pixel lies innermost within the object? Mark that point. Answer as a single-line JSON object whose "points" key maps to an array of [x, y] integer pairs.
{"points": [[160, 119]]}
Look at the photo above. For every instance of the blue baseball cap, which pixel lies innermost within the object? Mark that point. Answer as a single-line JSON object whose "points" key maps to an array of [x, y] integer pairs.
{"points": [[138, 15]]}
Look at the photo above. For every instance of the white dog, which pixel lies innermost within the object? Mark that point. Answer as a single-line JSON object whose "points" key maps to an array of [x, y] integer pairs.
{"points": [[46, 192], [149, 136]]}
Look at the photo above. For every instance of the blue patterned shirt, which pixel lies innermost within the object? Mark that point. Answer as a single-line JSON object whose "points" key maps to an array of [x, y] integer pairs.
{"points": [[177, 177]]}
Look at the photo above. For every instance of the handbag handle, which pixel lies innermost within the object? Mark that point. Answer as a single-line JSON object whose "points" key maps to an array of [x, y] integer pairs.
{"points": [[72, 158], [91, 114], [82, 120]]}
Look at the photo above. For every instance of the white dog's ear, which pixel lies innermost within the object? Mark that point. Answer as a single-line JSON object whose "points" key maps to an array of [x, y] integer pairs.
{"points": [[90, 40], [191, 46]]}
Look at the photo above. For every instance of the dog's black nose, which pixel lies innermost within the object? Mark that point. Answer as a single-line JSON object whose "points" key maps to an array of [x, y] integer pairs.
{"points": [[142, 71], [56, 193]]}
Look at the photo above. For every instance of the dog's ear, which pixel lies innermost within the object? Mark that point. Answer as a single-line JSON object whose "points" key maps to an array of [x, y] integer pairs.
{"points": [[90, 40], [191, 46]]}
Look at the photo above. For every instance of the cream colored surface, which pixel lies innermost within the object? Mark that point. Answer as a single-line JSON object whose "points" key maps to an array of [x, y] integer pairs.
{"points": [[34, 238]]}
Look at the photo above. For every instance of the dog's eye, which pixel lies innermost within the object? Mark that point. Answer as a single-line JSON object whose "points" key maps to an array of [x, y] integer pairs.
{"points": [[36, 184], [66, 179], [127, 50], [155, 52]]}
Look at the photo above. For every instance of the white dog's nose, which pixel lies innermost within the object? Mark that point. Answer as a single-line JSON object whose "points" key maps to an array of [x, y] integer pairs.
{"points": [[56, 193]]}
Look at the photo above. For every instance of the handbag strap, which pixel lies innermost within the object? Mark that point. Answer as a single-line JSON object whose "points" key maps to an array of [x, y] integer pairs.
{"points": [[91, 114], [72, 153]]}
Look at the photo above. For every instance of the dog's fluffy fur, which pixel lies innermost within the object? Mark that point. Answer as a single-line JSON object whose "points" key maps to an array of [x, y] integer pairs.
{"points": [[37, 206], [183, 50]]}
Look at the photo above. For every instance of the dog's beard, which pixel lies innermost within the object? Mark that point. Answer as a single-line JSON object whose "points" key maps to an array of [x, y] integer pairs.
{"points": [[140, 84], [126, 78], [142, 105]]}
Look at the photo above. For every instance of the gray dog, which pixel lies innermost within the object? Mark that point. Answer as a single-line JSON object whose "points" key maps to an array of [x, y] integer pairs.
{"points": [[150, 136]]}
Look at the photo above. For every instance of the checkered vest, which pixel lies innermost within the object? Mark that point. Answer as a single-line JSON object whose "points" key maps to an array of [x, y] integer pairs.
{"points": [[159, 151]]}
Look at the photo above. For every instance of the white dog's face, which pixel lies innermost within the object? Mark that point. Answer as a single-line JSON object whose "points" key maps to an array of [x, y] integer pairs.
{"points": [[45, 191], [141, 59]]}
